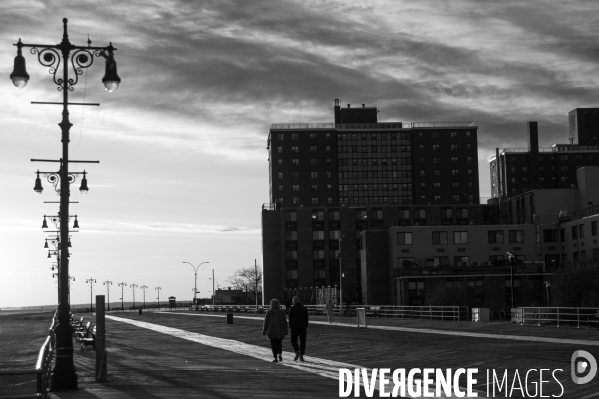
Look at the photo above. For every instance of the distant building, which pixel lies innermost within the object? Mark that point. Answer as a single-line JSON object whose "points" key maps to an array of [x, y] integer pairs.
{"points": [[358, 161], [516, 170]]}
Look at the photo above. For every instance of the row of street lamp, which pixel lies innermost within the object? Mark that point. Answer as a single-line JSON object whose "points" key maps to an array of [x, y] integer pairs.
{"points": [[64, 373]]}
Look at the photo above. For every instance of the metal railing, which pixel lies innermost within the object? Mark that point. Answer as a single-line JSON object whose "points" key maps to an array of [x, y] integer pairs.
{"points": [[555, 315], [43, 367]]}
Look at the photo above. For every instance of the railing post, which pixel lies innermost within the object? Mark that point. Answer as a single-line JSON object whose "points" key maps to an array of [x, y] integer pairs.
{"points": [[539, 314], [578, 316], [557, 310]]}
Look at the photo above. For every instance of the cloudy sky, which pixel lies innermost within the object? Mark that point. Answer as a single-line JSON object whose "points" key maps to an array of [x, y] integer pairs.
{"points": [[182, 142]]}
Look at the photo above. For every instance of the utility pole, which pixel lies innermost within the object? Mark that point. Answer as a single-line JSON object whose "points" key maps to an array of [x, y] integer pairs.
{"points": [[213, 292], [133, 286]]}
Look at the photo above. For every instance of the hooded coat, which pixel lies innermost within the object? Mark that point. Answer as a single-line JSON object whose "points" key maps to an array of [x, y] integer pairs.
{"points": [[275, 324]]}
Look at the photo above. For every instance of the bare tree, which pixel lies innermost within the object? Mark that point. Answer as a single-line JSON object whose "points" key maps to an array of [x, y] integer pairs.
{"points": [[248, 278]]}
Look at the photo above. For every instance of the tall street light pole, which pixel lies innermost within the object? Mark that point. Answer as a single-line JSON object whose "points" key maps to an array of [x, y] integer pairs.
{"points": [[64, 373], [195, 289], [91, 282], [108, 283], [213, 292], [158, 290], [133, 286], [144, 288], [122, 285]]}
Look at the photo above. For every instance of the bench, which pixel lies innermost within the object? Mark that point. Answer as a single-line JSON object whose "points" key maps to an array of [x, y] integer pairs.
{"points": [[83, 331], [594, 318], [373, 312], [89, 340], [76, 323]]}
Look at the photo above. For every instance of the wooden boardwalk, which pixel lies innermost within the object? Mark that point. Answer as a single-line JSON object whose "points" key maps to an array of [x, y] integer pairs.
{"points": [[149, 364]]}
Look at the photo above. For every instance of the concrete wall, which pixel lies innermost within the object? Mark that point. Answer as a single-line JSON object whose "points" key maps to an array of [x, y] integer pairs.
{"points": [[376, 274]]}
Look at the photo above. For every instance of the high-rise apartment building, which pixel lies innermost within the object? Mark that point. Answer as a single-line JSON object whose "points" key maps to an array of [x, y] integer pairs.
{"points": [[358, 161], [331, 181]]}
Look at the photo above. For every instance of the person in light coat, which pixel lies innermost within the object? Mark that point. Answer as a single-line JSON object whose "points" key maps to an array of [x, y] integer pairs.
{"points": [[275, 329], [329, 309]]}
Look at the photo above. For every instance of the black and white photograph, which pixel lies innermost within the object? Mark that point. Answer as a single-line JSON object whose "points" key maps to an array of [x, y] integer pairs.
{"points": [[299, 199]]}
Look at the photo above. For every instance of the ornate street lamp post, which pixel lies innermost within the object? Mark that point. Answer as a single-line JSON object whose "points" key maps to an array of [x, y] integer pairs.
{"points": [[158, 290], [91, 282], [144, 288], [122, 285], [133, 287], [108, 283], [195, 288], [64, 375]]}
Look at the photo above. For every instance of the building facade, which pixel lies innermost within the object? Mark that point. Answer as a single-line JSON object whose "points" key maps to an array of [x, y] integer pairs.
{"points": [[357, 161]]}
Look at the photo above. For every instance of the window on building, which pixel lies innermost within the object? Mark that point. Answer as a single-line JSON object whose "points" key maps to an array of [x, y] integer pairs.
{"points": [[551, 235], [313, 148], [594, 228], [455, 185], [419, 213], [437, 198], [293, 136], [279, 162], [436, 159], [469, 172], [318, 235], [454, 172], [440, 238], [280, 187], [281, 136], [455, 197], [295, 149], [437, 172], [328, 135], [334, 234], [314, 175], [468, 159], [291, 255], [435, 135], [421, 147], [516, 236], [403, 213], [295, 187], [421, 159], [314, 187], [440, 261], [461, 259], [453, 135], [574, 233], [318, 254], [291, 216], [581, 231], [435, 147], [314, 200], [495, 236], [291, 235], [295, 175], [460, 237], [454, 147], [468, 146], [295, 161], [313, 161], [404, 238]]}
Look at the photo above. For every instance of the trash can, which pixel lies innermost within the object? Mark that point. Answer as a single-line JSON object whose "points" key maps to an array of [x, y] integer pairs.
{"points": [[361, 317], [139, 310], [229, 318]]}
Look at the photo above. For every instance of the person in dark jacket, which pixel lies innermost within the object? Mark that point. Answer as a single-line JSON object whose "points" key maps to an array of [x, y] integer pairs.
{"points": [[287, 305], [275, 329], [298, 322]]}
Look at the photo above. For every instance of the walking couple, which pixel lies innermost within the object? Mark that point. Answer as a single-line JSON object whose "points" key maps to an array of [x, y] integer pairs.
{"points": [[275, 328]]}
